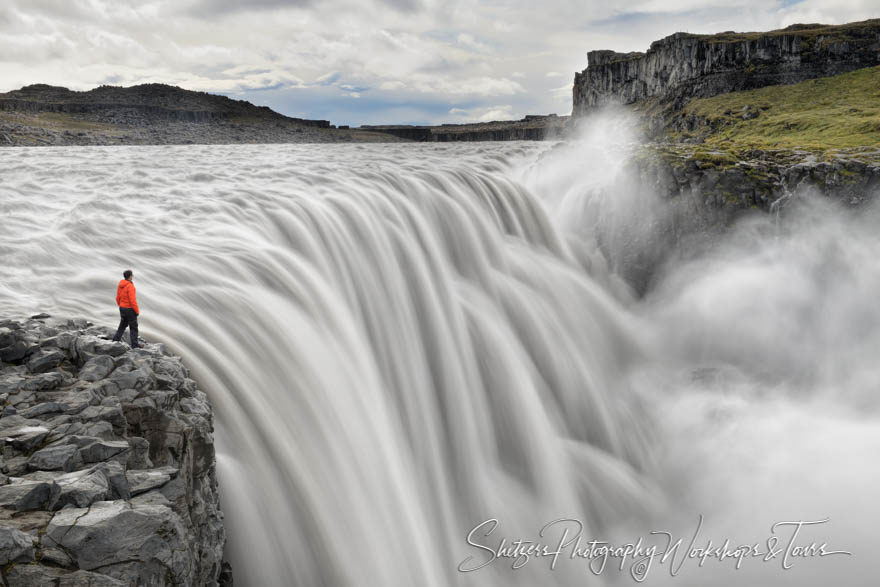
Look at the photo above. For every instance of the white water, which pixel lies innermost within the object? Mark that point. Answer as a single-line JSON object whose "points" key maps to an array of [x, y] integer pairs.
{"points": [[401, 342]]}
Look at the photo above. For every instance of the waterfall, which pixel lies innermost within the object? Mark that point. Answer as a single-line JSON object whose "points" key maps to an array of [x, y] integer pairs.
{"points": [[402, 342], [396, 352]]}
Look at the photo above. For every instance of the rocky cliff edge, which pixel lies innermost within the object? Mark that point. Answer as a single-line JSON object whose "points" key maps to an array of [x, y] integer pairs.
{"points": [[108, 471]]}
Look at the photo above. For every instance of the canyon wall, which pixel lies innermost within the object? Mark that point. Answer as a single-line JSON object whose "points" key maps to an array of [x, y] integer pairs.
{"points": [[686, 65]]}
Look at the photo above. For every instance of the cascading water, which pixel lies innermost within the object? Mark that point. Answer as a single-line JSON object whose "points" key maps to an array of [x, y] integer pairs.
{"points": [[401, 342]]}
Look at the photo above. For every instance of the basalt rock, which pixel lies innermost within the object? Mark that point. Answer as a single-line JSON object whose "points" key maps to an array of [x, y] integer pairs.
{"points": [[107, 470], [685, 65]]}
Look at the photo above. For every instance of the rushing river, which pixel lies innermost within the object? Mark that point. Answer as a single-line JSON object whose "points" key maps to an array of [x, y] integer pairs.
{"points": [[402, 342]]}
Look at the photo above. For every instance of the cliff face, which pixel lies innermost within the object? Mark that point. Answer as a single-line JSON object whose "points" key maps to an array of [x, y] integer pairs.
{"points": [[684, 65], [108, 470]]}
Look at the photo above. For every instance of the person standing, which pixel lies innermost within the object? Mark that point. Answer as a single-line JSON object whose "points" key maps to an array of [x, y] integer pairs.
{"points": [[128, 308]]}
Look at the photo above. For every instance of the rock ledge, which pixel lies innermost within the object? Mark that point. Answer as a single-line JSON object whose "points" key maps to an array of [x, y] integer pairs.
{"points": [[107, 471]]}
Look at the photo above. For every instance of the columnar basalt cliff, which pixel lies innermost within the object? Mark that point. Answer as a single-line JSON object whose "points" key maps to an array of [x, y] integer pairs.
{"points": [[108, 469], [685, 65]]}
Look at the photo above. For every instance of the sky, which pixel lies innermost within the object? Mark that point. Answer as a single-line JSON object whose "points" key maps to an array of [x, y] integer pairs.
{"points": [[365, 61]]}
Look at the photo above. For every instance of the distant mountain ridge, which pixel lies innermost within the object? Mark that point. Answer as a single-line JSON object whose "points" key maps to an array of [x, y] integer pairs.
{"points": [[152, 99]]}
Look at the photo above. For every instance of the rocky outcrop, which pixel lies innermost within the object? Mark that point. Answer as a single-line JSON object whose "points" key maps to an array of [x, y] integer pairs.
{"points": [[715, 187], [108, 471], [530, 128], [684, 65]]}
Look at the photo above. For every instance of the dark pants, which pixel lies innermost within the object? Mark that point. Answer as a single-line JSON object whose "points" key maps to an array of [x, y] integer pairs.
{"points": [[128, 319]]}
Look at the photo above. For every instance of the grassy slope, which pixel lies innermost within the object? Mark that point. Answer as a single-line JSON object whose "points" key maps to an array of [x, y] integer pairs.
{"points": [[821, 114]]}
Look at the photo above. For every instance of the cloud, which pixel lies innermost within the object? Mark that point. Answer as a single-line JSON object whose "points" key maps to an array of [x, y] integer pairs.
{"points": [[421, 58], [328, 79], [483, 114]]}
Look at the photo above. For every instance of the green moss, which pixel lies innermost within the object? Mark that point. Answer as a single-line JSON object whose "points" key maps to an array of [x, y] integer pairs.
{"points": [[827, 113], [713, 158], [810, 34]]}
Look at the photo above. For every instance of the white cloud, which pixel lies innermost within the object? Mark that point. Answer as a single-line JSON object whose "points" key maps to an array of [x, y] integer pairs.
{"points": [[503, 112], [439, 53]]}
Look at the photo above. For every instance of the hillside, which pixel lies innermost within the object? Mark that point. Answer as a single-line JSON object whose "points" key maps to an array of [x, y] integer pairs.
{"points": [[836, 112], [738, 122], [151, 114]]}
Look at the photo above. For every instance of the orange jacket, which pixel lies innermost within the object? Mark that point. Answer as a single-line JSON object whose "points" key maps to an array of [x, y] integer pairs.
{"points": [[125, 296]]}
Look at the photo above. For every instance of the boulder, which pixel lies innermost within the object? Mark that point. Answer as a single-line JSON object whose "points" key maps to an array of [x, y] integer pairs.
{"points": [[142, 543], [55, 458], [15, 546], [45, 361]]}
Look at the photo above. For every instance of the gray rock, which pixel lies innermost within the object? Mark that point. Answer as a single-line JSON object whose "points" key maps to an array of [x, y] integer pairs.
{"points": [[80, 489], [32, 574], [43, 382], [147, 480], [140, 378], [9, 383], [55, 458], [169, 528], [112, 535], [140, 453], [151, 498], [96, 368], [103, 450], [112, 414], [114, 349], [26, 438], [45, 408], [45, 361], [15, 546], [7, 336], [87, 579], [16, 466], [55, 556], [101, 430], [684, 65], [15, 352], [115, 474], [27, 495]]}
